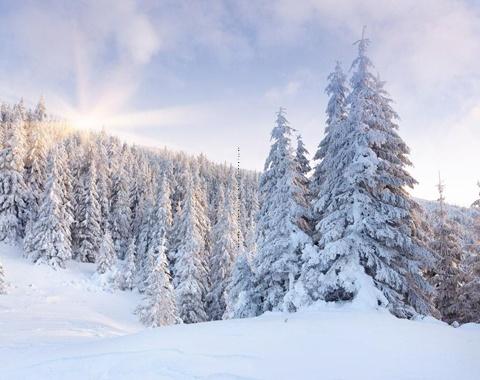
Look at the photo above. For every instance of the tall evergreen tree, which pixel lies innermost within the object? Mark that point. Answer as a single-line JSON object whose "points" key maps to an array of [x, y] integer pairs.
{"points": [[225, 247], [106, 254], [477, 202], [36, 160], [336, 114], [302, 161], [157, 229], [65, 192], [129, 271], [366, 230], [190, 273], [469, 293], [104, 183], [241, 299], [448, 277], [13, 191], [281, 221], [88, 226], [303, 176], [49, 243], [160, 308], [120, 213]]}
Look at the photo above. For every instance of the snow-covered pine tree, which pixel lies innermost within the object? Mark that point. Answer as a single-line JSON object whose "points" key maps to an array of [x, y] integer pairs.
{"points": [[36, 159], [281, 221], [336, 111], [366, 228], [120, 213], [476, 204], [469, 293], [77, 162], [49, 243], [304, 171], [225, 247], [106, 257], [144, 242], [13, 191], [65, 192], [241, 299], [190, 273], [205, 226], [160, 308], [40, 112], [2, 280], [157, 227], [448, 277], [104, 183], [302, 160], [249, 200], [129, 271], [88, 226]]}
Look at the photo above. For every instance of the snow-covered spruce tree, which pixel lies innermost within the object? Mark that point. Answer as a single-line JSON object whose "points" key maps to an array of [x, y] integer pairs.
{"points": [[88, 226], [13, 191], [447, 277], [36, 159], [304, 171], [336, 114], [225, 247], [160, 308], [2, 280], [281, 221], [205, 226], [156, 228], [106, 257], [40, 112], [129, 271], [66, 185], [302, 161], [476, 204], [104, 183], [469, 293], [120, 213], [190, 273], [49, 241], [249, 200], [366, 230], [241, 299], [144, 242], [141, 191]]}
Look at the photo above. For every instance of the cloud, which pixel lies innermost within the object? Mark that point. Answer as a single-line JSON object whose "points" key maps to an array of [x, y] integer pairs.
{"points": [[278, 94], [435, 41], [111, 58], [82, 45]]}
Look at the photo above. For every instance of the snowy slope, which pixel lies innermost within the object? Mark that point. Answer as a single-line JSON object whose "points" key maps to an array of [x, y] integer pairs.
{"points": [[60, 325]]}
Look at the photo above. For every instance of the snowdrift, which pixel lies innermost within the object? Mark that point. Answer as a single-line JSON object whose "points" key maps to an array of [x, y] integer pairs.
{"points": [[64, 325]]}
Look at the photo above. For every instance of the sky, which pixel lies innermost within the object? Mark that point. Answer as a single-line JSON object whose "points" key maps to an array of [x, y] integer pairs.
{"points": [[208, 76]]}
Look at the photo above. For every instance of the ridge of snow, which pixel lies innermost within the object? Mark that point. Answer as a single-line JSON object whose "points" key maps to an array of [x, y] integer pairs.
{"points": [[63, 325]]}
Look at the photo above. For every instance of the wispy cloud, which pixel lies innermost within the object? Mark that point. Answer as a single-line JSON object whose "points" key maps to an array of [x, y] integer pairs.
{"points": [[144, 66]]}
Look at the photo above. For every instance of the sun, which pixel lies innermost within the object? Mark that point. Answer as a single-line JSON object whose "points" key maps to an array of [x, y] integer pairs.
{"points": [[88, 121]]}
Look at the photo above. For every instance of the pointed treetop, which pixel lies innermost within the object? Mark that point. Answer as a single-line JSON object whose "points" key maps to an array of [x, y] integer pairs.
{"points": [[282, 128], [441, 198], [440, 187], [281, 111], [362, 43], [477, 202], [338, 66]]}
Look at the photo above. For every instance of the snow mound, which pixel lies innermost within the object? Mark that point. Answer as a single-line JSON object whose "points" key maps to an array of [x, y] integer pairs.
{"points": [[64, 325]]}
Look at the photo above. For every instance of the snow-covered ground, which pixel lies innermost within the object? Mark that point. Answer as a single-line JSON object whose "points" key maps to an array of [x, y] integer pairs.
{"points": [[61, 325]]}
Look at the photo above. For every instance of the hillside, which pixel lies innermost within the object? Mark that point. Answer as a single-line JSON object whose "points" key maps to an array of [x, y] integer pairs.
{"points": [[63, 325], [466, 219]]}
